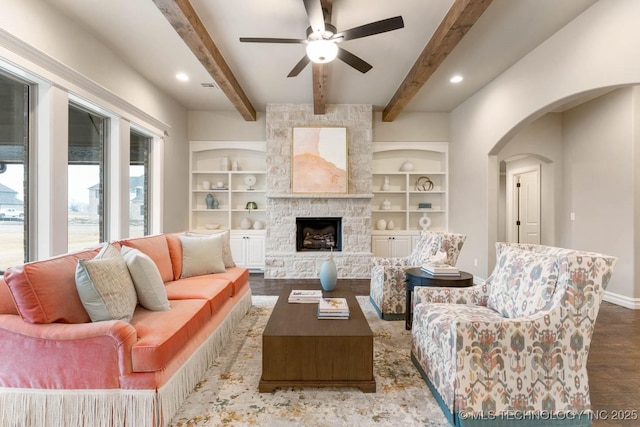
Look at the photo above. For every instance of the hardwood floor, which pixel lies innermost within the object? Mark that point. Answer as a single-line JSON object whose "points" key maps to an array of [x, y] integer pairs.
{"points": [[614, 358]]}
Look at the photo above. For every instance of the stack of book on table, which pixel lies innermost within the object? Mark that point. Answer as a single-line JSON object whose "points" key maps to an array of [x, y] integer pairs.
{"points": [[333, 308], [305, 296], [440, 270]]}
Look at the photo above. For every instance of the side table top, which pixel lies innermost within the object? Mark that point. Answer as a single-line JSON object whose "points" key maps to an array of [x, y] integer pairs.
{"points": [[465, 279]]}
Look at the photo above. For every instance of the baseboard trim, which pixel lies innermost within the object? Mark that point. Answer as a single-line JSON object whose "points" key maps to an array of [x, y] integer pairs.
{"points": [[622, 300]]}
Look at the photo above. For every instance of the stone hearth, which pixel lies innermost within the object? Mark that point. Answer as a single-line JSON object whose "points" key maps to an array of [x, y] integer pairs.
{"points": [[281, 258]]}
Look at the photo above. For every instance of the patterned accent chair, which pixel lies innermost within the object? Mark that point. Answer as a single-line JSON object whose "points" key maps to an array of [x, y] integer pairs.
{"points": [[516, 347], [388, 290]]}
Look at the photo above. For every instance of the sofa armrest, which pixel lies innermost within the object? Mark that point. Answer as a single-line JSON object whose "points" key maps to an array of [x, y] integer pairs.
{"points": [[390, 262], [70, 356], [474, 295]]}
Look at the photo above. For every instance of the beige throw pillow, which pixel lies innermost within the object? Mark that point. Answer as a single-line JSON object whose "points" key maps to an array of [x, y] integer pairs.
{"points": [[105, 286], [147, 280], [201, 255], [227, 256]]}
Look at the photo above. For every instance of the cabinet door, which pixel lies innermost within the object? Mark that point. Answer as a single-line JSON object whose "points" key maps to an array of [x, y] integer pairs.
{"points": [[400, 246], [255, 251], [381, 246], [236, 242]]}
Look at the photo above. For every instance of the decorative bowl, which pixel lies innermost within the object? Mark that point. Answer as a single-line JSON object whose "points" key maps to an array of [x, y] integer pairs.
{"points": [[212, 226]]}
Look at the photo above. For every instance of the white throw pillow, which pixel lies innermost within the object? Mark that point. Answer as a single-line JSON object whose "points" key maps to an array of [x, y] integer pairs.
{"points": [[201, 255], [227, 256], [147, 280], [105, 286]]}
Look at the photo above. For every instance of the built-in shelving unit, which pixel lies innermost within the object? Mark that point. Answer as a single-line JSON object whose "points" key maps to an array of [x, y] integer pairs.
{"points": [[212, 164], [399, 202]]}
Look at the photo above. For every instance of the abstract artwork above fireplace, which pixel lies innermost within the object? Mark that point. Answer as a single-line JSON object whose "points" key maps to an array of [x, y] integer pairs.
{"points": [[319, 160]]}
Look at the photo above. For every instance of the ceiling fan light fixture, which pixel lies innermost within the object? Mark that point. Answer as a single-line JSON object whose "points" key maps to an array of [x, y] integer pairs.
{"points": [[322, 51]]}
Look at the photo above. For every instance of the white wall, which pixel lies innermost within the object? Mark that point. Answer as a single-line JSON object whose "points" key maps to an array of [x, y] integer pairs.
{"points": [[598, 182], [36, 37], [596, 50], [540, 144]]}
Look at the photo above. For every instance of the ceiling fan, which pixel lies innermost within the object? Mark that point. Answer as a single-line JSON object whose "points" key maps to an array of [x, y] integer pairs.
{"points": [[323, 38]]}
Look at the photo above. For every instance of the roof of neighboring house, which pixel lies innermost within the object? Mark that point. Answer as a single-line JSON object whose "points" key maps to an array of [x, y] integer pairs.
{"points": [[8, 196], [134, 181]]}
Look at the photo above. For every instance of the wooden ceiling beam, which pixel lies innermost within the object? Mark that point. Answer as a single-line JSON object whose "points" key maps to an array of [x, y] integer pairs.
{"points": [[462, 15], [185, 21], [321, 71], [320, 76]]}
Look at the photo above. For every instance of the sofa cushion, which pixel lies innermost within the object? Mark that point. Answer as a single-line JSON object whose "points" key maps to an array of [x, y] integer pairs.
{"points": [[210, 287], [201, 255], [150, 289], [7, 306], [522, 282], [105, 286], [175, 253], [238, 276], [157, 249], [45, 291], [162, 334]]}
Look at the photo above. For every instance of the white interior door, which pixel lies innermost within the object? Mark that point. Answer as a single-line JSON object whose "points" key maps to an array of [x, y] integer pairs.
{"points": [[526, 209]]}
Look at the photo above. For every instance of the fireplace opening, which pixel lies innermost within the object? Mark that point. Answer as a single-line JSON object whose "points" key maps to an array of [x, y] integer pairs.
{"points": [[318, 234]]}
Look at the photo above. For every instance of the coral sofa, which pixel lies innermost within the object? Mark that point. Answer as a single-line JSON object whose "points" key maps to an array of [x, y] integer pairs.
{"points": [[514, 349], [61, 368]]}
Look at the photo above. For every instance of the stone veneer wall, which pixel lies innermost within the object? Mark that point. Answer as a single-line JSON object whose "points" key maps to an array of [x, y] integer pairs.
{"points": [[281, 258]]}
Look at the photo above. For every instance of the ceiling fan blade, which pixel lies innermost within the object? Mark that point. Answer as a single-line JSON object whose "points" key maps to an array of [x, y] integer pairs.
{"points": [[372, 28], [315, 14], [299, 66], [270, 40], [352, 60]]}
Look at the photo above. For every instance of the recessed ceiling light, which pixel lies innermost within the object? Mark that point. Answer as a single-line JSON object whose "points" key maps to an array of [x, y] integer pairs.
{"points": [[182, 77], [456, 79]]}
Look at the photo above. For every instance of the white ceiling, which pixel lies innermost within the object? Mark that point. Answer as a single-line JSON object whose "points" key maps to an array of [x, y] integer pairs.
{"points": [[139, 33]]}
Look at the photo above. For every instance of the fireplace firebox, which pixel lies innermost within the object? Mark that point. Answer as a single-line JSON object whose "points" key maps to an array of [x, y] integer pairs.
{"points": [[318, 234]]}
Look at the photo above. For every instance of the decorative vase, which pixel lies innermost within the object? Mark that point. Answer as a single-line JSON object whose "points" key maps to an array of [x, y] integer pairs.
{"points": [[328, 274], [425, 221], [224, 163], [385, 185], [258, 225], [407, 166], [206, 185], [234, 165], [209, 200], [216, 204], [385, 205], [246, 224], [381, 224], [391, 225]]}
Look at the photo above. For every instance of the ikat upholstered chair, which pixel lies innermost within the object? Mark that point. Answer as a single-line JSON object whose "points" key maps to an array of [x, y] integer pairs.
{"points": [[514, 348], [387, 291]]}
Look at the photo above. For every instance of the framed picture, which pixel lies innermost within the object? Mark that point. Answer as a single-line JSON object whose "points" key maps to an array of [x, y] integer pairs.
{"points": [[319, 160]]}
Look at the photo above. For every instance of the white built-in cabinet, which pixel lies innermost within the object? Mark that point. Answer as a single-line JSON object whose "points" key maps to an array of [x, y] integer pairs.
{"points": [[399, 202], [213, 162], [248, 248]]}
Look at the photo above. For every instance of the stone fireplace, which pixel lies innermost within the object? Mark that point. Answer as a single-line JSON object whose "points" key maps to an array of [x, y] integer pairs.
{"points": [[282, 258]]}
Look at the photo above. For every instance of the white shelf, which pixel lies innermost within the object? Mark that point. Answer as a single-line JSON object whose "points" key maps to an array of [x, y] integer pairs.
{"points": [[430, 159]]}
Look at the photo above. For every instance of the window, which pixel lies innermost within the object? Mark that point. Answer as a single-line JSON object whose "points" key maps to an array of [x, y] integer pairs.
{"points": [[139, 184], [14, 171], [86, 177]]}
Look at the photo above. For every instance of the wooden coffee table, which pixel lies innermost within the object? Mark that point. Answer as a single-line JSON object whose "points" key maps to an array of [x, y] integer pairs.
{"points": [[299, 350]]}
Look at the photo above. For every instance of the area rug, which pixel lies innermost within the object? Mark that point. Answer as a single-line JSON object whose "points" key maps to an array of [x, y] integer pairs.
{"points": [[228, 394]]}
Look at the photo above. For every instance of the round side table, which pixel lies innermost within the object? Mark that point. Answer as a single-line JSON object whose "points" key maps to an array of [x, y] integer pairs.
{"points": [[417, 277]]}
